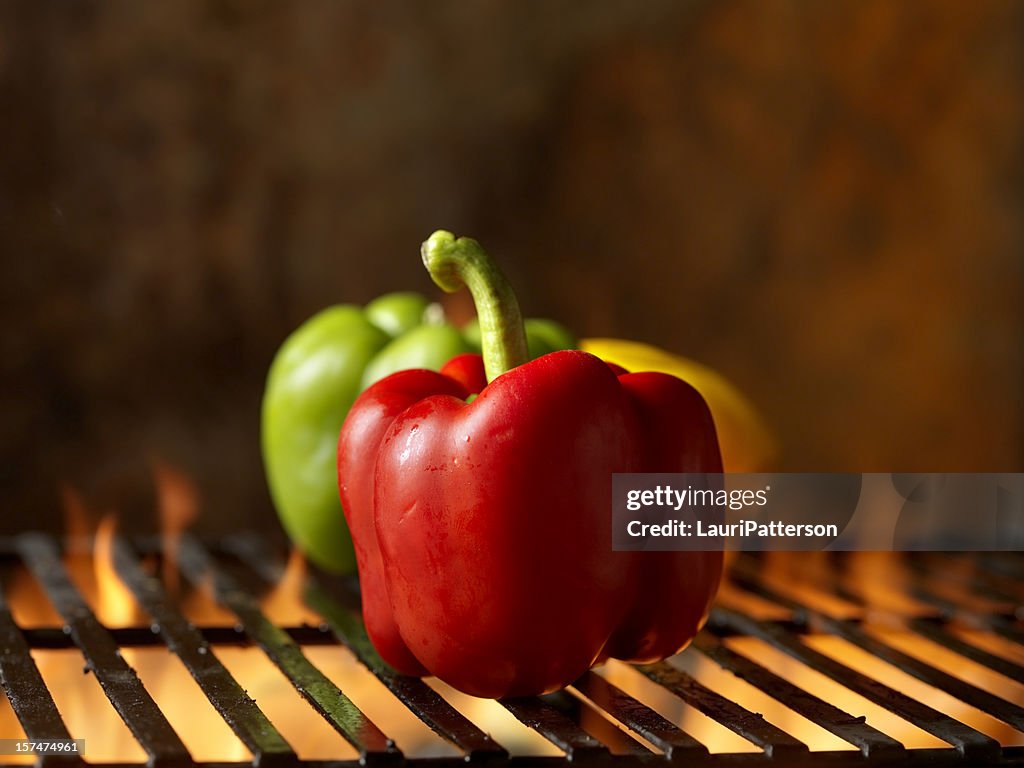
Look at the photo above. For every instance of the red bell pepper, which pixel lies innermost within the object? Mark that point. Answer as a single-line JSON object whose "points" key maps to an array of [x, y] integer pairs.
{"points": [[482, 526]]}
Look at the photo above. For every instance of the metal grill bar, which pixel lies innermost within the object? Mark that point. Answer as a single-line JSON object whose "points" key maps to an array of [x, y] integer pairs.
{"points": [[932, 631], [581, 721], [993, 583], [1004, 710], [28, 694], [442, 718], [437, 713], [744, 573], [119, 681], [134, 637], [250, 724], [970, 742], [1002, 566], [951, 607], [750, 725], [557, 728], [339, 608], [617, 740], [314, 686], [931, 628], [1004, 629], [1001, 625], [844, 725], [673, 741]]}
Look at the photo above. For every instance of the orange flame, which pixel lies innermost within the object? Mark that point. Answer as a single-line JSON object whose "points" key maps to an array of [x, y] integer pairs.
{"points": [[284, 604], [115, 604], [178, 505], [77, 525]]}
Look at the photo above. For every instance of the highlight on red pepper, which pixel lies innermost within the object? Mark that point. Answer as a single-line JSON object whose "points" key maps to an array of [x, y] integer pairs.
{"points": [[482, 525]]}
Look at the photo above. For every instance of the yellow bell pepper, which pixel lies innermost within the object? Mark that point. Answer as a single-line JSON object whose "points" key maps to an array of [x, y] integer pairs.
{"points": [[746, 442]]}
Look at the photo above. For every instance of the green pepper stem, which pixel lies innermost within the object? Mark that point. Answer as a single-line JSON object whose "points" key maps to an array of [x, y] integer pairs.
{"points": [[453, 264]]}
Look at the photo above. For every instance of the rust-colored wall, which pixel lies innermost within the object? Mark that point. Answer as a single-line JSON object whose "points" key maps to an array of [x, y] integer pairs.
{"points": [[823, 200]]}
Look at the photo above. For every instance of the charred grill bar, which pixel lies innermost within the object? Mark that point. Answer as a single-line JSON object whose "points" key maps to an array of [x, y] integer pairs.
{"points": [[591, 723]]}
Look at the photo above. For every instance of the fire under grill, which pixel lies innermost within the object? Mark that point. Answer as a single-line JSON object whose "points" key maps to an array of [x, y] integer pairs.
{"points": [[810, 659]]}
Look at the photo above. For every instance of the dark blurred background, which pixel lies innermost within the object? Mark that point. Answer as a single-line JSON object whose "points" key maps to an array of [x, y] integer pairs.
{"points": [[821, 200]]}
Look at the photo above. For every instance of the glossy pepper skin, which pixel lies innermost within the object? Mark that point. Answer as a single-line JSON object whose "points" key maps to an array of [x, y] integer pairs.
{"points": [[483, 528], [747, 443], [313, 381]]}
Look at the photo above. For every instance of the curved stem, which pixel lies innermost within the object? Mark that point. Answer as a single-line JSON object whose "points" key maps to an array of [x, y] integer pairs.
{"points": [[453, 264]]}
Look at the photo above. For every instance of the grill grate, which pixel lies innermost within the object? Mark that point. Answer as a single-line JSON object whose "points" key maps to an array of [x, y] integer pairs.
{"points": [[956, 591]]}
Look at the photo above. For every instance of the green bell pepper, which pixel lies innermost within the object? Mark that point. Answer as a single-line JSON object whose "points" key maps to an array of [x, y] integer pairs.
{"points": [[316, 376]]}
